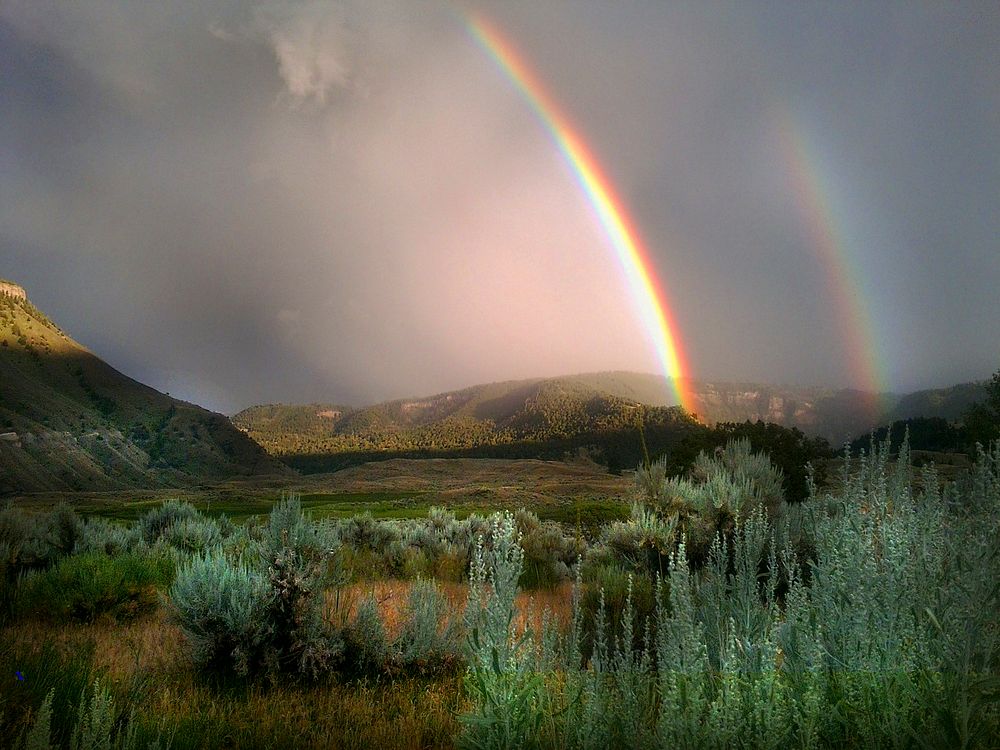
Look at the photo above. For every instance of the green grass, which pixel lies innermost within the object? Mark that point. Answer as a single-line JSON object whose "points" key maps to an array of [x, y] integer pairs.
{"points": [[85, 587], [329, 505], [591, 514]]}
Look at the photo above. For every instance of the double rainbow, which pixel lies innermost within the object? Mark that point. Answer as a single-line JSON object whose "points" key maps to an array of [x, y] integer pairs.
{"points": [[620, 229]]}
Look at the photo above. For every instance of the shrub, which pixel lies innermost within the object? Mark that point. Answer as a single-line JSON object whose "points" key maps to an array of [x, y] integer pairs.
{"points": [[262, 612], [613, 588], [193, 534], [36, 540], [549, 553], [723, 488], [154, 523], [366, 645], [67, 528], [428, 639], [300, 640], [87, 586], [221, 606], [508, 698], [101, 535]]}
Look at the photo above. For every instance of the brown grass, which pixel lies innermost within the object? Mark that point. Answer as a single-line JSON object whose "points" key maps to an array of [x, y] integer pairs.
{"points": [[392, 594], [382, 713]]}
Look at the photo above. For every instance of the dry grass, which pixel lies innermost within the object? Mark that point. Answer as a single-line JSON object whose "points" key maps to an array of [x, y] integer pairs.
{"points": [[401, 713], [392, 596], [382, 713]]}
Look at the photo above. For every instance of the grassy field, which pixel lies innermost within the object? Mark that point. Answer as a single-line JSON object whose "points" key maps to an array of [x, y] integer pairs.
{"points": [[568, 492]]}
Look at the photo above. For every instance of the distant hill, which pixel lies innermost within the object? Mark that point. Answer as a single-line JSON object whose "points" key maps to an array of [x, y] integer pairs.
{"points": [[545, 408], [69, 421], [946, 403], [543, 417], [569, 408]]}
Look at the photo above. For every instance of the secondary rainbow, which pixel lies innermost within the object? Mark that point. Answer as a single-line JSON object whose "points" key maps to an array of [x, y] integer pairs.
{"points": [[814, 197], [621, 231]]}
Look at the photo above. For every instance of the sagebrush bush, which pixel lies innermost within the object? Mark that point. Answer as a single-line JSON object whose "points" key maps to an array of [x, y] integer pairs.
{"points": [[193, 534], [507, 693], [366, 645], [36, 540], [722, 489], [262, 611], [101, 535], [153, 524], [98, 726], [886, 635], [428, 641], [221, 607], [549, 552]]}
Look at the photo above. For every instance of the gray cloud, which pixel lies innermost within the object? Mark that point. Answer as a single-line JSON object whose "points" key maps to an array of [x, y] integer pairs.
{"points": [[242, 202]]}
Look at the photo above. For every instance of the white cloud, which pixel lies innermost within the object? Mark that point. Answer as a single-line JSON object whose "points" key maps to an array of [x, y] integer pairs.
{"points": [[311, 43]]}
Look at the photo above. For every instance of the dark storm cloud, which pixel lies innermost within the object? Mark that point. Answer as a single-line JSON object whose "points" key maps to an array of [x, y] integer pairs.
{"points": [[242, 202]]}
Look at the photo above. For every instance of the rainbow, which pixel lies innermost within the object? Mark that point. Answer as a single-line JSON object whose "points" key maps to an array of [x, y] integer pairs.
{"points": [[621, 231], [815, 203]]}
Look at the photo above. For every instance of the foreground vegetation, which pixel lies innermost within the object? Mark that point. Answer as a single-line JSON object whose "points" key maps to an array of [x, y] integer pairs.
{"points": [[717, 614]]}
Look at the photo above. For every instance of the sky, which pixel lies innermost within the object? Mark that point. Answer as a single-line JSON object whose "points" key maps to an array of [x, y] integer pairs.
{"points": [[349, 201]]}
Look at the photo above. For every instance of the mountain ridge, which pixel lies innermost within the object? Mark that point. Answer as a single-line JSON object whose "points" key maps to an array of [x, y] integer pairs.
{"points": [[508, 410], [69, 421]]}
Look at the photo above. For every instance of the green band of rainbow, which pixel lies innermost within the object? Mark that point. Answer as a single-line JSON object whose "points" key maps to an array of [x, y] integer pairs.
{"points": [[632, 256]]}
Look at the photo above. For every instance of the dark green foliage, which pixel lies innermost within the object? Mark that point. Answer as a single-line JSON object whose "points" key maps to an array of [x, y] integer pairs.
{"points": [[534, 419], [105, 405], [45, 669], [790, 450], [925, 434], [90, 585], [982, 420]]}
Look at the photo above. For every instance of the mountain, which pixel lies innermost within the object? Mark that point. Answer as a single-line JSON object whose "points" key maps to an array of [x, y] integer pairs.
{"points": [[836, 415], [69, 421], [539, 417], [572, 408], [542, 409]]}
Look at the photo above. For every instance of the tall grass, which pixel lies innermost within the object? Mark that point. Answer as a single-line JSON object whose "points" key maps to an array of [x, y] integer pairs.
{"points": [[884, 635]]}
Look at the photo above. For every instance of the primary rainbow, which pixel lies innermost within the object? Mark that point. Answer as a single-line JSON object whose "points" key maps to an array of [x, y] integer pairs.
{"points": [[814, 197], [621, 231]]}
